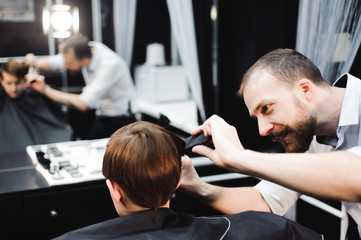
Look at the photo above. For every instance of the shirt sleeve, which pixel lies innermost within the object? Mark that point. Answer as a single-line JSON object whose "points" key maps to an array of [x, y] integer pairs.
{"points": [[56, 62], [103, 80], [278, 198], [355, 150]]}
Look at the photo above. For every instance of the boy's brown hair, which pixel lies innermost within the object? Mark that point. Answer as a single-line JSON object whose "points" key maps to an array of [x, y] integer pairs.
{"points": [[143, 159], [15, 68]]}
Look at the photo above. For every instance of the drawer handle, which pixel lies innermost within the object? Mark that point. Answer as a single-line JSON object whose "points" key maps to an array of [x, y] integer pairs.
{"points": [[53, 213]]}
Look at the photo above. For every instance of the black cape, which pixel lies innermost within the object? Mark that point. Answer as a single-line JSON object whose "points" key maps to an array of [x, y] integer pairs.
{"points": [[164, 223], [29, 120]]}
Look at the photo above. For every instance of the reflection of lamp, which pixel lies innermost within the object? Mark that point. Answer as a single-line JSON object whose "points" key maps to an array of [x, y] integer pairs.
{"points": [[61, 21]]}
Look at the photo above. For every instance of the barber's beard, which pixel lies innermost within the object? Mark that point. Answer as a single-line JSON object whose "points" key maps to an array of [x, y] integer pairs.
{"points": [[299, 136]]}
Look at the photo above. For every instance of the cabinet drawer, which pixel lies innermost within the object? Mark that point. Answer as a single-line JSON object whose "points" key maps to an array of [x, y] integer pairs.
{"points": [[11, 217], [53, 213]]}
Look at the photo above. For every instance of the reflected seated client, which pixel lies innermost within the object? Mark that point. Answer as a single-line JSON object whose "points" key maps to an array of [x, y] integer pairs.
{"points": [[26, 116]]}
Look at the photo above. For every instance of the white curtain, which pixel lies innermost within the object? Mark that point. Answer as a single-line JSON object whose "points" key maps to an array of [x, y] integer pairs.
{"points": [[124, 24], [329, 33], [182, 22]]}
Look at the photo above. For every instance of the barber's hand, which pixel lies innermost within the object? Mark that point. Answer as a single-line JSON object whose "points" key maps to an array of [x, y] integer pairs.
{"points": [[36, 81], [225, 140], [190, 181], [30, 59]]}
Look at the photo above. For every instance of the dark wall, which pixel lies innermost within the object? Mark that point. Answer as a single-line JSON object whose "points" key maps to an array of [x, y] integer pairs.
{"points": [[19, 38], [107, 23], [152, 26], [356, 66], [203, 28], [248, 30]]}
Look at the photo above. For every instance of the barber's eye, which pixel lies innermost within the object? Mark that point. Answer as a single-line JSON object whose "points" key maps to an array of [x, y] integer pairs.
{"points": [[265, 108]]}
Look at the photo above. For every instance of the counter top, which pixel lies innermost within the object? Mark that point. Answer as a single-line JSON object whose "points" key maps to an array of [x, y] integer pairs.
{"points": [[17, 173]]}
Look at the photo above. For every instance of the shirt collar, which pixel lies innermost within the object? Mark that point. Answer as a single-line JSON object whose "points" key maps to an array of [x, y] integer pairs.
{"points": [[94, 60], [349, 111]]}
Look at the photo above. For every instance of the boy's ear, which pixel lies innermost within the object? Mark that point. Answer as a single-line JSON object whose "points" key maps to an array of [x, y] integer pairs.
{"points": [[114, 190], [180, 178]]}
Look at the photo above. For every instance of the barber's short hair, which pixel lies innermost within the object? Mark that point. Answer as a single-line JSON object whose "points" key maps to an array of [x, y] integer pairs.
{"points": [[143, 159], [286, 65], [15, 68], [80, 45]]}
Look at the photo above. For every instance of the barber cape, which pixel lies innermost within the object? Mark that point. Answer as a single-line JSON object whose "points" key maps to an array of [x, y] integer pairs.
{"points": [[30, 119], [164, 223]]}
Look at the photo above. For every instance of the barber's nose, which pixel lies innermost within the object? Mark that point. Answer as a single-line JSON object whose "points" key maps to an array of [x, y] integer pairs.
{"points": [[264, 127]]}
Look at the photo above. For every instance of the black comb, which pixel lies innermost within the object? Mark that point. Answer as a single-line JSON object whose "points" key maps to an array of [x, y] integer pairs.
{"points": [[195, 140]]}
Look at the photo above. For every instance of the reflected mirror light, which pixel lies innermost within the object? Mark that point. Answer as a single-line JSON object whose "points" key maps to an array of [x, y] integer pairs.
{"points": [[62, 19], [213, 13]]}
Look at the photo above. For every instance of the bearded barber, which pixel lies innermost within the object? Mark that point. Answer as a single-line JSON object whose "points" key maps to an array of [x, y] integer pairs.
{"points": [[294, 105]]}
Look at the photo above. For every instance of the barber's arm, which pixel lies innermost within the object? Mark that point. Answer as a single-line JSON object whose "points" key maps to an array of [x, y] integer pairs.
{"points": [[225, 199], [41, 64], [333, 175], [67, 99]]}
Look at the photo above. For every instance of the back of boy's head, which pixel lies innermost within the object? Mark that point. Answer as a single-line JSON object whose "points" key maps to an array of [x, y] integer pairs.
{"points": [[144, 161]]}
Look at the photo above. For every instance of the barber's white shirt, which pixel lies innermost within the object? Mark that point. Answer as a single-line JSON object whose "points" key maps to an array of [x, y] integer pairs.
{"points": [[109, 85], [348, 139]]}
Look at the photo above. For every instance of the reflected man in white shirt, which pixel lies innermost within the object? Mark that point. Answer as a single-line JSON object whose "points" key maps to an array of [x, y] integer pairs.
{"points": [[109, 86]]}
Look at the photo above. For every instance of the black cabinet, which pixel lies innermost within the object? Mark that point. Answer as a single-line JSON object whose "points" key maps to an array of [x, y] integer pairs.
{"points": [[11, 217], [53, 213], [50, 212], [31, 209]]}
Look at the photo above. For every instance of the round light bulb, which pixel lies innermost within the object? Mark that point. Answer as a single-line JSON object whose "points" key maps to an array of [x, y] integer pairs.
{"points": [[61, 21]]}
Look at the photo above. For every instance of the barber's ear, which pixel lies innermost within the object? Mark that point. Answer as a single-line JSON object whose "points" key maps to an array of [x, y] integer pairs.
{"points": [[85, 61], [114, 190], [307, 88]]}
